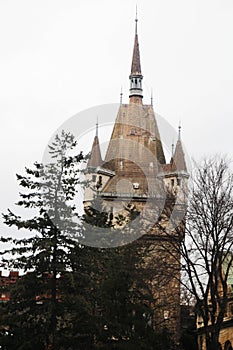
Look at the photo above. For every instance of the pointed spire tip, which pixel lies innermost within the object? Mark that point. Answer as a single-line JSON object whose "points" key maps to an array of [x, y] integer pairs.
{"points": [[179, 131], [97, 127], [136, 21], [121, 94]]}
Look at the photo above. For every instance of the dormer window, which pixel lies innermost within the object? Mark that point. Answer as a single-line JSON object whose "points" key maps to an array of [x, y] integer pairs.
{"points": [[135, 185]]}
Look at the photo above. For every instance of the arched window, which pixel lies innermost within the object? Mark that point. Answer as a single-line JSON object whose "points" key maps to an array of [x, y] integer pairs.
{"points": [[227, 345]]}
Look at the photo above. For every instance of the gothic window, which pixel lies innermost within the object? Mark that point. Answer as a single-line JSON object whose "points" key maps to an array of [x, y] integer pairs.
{"points": [[227, 345], [172, 182], [136, 81], [178, 182]]}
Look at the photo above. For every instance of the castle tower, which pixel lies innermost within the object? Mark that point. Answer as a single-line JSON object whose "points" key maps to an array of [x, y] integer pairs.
{"points": [[135, 172], [135, 151]]}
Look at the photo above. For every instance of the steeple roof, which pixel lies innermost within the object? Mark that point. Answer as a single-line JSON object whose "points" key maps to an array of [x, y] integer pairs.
{"points": [[95, 160], [135, 151], [179, 157], [136, 64]]}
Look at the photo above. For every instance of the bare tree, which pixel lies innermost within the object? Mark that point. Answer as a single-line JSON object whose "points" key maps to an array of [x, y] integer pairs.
{"points": [[207, 249]]}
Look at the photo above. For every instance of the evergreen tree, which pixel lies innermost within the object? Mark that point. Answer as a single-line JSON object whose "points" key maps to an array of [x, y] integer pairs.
{"points": [[34, 316]]}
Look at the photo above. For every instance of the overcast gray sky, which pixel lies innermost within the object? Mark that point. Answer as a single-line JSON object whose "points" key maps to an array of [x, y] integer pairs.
{"points": [[59, 57]]}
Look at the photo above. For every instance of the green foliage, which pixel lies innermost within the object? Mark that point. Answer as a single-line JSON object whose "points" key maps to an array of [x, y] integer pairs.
{"points": [[49, 191]]}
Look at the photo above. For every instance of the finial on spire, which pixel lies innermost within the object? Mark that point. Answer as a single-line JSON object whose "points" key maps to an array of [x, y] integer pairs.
{"points": [[151, 98], [97, 127], [136, 21], [179, 131], [121, 94], [172, 148]]}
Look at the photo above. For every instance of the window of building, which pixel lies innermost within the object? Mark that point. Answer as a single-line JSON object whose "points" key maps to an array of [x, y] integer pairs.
{"points": [[93, 178], [99, 183], [231, 308], [132, 131], [178, 182], [227, 345], [136, 185], [172, 182]]}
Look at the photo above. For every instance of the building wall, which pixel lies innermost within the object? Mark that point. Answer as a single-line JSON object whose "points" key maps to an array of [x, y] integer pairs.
{"points": [[5, 283]]}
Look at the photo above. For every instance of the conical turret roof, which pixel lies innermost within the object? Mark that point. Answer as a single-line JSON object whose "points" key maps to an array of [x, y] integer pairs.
{"points": [[179, 157], [95, 159]]}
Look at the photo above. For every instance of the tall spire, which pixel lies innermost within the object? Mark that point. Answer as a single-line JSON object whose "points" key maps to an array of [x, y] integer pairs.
{"points": [[136, 74]]}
